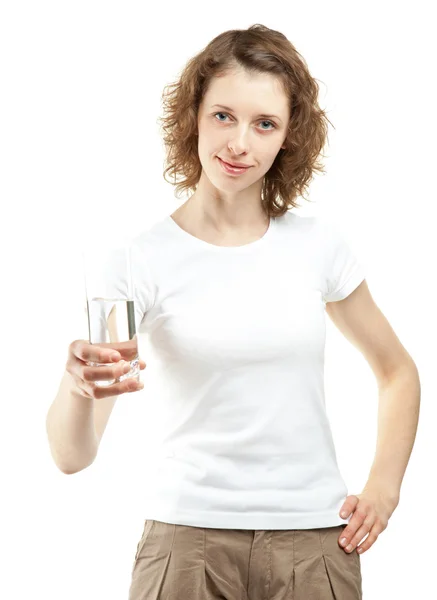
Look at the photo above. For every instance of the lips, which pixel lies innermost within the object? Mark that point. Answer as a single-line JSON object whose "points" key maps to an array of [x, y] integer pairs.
{"points": [[236, 165]]}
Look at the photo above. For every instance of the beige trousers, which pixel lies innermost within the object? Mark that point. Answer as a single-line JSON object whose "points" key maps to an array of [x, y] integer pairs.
{"points": [[180, 562]]}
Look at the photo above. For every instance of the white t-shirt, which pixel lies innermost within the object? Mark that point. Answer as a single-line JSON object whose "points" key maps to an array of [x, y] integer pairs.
{"points": [[236, 339]]}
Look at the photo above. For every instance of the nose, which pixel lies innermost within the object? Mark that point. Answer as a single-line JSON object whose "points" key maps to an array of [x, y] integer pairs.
{"points": [[238, 145]]}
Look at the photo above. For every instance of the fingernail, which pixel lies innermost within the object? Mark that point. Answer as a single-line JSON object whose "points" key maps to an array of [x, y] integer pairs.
{"points": [[344, 514], [343, 541], [115, 357]]}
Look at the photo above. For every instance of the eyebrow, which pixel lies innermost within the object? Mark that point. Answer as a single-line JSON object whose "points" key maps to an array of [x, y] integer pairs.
{"points": [[232, 110]]}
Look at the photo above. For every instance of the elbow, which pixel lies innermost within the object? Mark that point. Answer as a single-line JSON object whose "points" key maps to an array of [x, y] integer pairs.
{"points": [[68, 467], [68, 470]]}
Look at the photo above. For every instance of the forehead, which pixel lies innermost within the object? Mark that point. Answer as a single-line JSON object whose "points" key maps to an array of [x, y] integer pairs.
{"points": [[244, 92]]}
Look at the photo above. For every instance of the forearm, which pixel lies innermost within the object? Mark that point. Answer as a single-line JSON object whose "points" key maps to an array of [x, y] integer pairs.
{"points": [[70, 428], [398, 415]]}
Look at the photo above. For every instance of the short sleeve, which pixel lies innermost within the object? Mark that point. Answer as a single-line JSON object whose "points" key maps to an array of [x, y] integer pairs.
{"points": [[112, 280], [144, 286], [343, 269]]}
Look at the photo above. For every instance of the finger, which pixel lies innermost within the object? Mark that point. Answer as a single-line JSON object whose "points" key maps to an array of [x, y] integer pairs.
{"points": [[357, 538], [103, 373], [93, 353], [354, 524], [349, 506], [128, 385], [369, 541], [90, 373]]}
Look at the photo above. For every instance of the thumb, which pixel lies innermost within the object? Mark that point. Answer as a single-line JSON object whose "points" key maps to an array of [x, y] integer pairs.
{"points": [[349, 505]]}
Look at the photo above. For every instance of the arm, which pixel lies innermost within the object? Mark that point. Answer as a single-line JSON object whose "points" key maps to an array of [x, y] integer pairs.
{"points": [[70, 428], [364, 325], [398, 415], [75, 423]]}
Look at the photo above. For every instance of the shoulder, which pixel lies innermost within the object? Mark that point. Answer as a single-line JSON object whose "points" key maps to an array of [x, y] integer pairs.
{"points": [[152, 241], [304, 222], [314, 229], [329, 233]]}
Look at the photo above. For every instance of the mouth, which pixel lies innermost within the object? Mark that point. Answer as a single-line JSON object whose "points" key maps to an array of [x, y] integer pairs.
{"points": [[232, 169]]}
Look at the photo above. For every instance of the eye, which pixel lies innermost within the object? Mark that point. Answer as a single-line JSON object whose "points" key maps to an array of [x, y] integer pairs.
{"points": [[270, 122], [263, 121]]}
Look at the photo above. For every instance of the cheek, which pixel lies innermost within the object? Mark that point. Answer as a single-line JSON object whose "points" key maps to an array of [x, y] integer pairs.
{"points": [[210, 143], [266, 159], [272, 157]]}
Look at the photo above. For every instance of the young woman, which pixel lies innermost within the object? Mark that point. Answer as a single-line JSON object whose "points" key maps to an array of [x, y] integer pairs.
{"points": [[247, 501]]}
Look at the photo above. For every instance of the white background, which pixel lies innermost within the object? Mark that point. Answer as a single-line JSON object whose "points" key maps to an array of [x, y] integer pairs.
{"points": [[81, 153]]}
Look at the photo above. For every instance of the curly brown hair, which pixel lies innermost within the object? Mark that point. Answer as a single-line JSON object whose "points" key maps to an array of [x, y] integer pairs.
{"points": [[257, 49]]}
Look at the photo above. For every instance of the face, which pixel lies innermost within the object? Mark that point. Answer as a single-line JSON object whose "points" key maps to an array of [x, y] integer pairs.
{"points": [[242, 132]]}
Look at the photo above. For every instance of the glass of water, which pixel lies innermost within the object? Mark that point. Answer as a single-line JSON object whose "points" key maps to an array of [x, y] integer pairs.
{"points": [[110, 302]]}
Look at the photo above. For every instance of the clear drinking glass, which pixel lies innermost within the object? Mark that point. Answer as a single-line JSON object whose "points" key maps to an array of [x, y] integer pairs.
{"points": [[109, 292]]}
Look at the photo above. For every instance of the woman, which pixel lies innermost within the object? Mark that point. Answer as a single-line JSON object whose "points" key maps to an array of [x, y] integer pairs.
{"points": [[246, 497]]}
